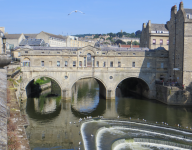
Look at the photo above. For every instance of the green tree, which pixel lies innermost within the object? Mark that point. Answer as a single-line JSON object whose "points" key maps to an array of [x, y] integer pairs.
{"points": [[120, 41], [96, 36], [120, 34]]}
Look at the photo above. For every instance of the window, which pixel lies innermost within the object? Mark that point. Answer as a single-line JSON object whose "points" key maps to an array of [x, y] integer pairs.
{"points": [[89, 60], [161, 42], [119, 53], [74, 52], [97, 63], [80, 63], [111, 64], [148, 65], [58, 52], [167, 42], [162, 65], [93, 60], [42, 52], [104, 64], [84, 61], [103, 53], [74, 63], [66, 63], [188, 16], [19, 54], [26, 51], [154, 41], [119, 64], [134, 54], [26, 63], [133, 64], [58, 63], [42, 63]]}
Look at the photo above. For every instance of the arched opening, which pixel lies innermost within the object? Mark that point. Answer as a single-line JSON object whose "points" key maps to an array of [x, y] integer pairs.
{"points": [[44, 94], [89, 60], [132, 86], [26, 62], [87, 95]]}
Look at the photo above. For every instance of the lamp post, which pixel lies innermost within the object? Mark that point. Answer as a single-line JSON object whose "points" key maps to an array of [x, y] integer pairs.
{"points": [[4, 45]]}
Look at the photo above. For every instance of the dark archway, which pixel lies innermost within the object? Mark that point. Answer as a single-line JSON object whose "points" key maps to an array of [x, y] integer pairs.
{"points": [[134, 86], [39, 84]]}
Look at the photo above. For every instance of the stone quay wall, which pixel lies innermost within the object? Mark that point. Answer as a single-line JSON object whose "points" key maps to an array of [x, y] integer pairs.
{"points": [[3, 109], [173, 95]]}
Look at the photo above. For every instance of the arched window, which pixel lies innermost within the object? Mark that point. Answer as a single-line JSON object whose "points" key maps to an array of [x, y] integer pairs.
{"points": [[89, 60], [26, 62]]}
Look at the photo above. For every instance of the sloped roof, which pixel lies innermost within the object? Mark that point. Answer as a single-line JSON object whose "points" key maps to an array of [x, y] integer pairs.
{"points": [[30, 36], [128, 46], [56, 36], [12, 36], [32, 42], [158, 27], [188, 11]]}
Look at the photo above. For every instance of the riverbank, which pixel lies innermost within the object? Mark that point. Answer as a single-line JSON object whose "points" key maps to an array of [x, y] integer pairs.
{"points": [[16, 135]]}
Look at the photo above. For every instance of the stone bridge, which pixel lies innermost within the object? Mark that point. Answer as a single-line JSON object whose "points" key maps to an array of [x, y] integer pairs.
{"points": [[109, 66]]}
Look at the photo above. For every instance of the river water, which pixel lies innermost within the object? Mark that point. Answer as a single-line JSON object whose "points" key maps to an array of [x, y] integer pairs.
{"points": [[54, 123]]}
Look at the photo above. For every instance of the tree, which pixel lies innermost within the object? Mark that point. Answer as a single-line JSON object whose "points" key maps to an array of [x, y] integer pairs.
{"points": [[135, 43], [111, 34], [120, 41], [138, 33], [96, 36], [120, 34]]}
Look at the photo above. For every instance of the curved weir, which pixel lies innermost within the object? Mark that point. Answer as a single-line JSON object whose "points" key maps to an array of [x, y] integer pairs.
{"points": [[101, 134]]}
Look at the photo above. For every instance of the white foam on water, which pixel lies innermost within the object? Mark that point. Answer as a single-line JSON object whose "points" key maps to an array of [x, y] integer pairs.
{"points": [[85, 143], [151, 132], [140, 146], [185, 132]]}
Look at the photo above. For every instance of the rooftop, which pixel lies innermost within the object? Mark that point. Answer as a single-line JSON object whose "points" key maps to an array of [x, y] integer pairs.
{"points": [[56, 36], [27, 36], [32, 42], [12, 36], [188, 11], [158, 27]]}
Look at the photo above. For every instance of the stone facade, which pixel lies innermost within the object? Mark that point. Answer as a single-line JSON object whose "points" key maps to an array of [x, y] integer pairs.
{"points": [[154, 36], [180, 47], [108, 65], [3, 108]]}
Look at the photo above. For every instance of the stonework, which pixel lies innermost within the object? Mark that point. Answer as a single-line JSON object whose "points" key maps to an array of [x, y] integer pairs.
{"points": [[180, 47], [154, 36], [108, 65], [3, 108]]}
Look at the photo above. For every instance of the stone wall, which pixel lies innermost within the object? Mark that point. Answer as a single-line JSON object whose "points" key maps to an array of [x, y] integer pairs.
{"points": [[3, 109], [173, 96]]}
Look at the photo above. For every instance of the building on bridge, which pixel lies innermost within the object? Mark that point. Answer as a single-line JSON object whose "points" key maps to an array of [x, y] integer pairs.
{"points": [[108, 65]]}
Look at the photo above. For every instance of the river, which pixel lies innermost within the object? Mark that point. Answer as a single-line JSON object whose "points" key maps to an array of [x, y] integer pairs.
{"points": [[54, 123]]}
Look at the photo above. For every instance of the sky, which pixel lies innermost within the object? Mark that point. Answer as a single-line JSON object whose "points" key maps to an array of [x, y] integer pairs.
{"points": [[101, 16]]}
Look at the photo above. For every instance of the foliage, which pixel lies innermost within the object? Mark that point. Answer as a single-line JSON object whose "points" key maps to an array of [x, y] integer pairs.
{"points": [[19, 81], [133, 43], [120, 41], [13, 81], [18, 68], [96, 36], [106, 43], [42, 81]]}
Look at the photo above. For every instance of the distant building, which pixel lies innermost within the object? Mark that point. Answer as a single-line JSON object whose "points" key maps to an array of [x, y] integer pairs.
{"points": [[52, 39], [2, 31], [13, 40], [154, 36]]}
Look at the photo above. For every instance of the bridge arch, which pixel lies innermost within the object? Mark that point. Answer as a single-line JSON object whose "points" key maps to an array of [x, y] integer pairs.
{"points": [[102, 85], [142, 87], [28, 90]]}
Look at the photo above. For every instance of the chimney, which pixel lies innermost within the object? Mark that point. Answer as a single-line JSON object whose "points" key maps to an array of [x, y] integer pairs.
{"points": [[181, 6], [173, 11], [149, 23]]}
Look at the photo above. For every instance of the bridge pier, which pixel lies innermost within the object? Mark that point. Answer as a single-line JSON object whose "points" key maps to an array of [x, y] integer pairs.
{"points": [[110, 94], [66, 94]]}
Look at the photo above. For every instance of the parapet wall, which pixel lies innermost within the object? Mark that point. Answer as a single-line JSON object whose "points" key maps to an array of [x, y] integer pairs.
{"points": [[173, 96], [3, 109]]}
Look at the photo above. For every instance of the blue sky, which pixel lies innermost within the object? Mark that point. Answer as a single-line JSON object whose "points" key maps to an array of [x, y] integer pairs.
{"points": [[101, 16]]}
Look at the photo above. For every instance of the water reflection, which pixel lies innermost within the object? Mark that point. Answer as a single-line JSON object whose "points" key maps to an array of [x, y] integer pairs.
{"points": [[54, 123]]}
